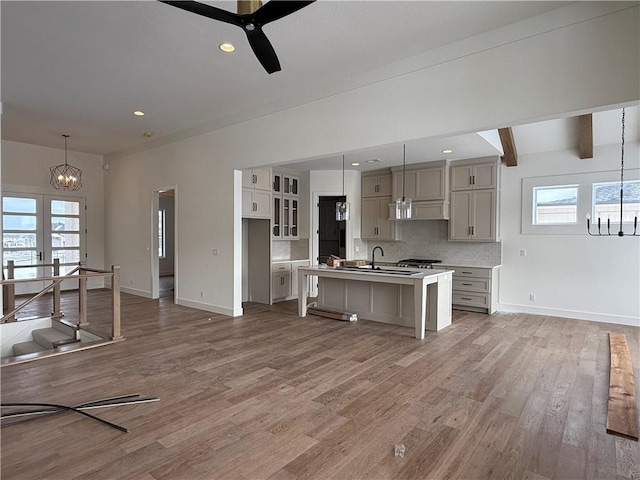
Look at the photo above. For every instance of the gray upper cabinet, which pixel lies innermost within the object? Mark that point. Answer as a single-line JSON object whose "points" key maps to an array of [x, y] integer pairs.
{"points": [[257, 178], [471, 177], [256, 193], [377, 185]]}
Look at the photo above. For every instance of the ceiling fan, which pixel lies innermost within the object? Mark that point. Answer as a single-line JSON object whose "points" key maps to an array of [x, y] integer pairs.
{"points": [[251, 17]]}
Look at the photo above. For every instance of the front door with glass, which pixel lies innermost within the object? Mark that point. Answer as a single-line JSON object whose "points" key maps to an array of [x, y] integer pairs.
{"points": [[37, 229]]}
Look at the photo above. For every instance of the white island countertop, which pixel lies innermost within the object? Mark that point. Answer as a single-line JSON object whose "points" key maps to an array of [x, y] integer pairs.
{"points": [[432, 285]]}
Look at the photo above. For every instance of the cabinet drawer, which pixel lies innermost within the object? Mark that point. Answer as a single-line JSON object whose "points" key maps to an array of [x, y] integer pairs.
{"points": [[280, 267], [462, 272], [472, 284], [471, 299]]}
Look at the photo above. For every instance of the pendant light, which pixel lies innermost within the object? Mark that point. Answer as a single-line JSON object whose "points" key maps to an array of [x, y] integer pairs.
{"points": [[65, 176], [342, 208], [635, 218], [403, 205]]}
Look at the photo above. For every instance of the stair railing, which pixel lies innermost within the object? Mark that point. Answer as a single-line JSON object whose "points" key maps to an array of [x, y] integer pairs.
{"points": [[81, 273]]}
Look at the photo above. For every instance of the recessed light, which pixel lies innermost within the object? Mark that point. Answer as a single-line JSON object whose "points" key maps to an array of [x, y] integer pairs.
{"points": [[227, 47], [138, 113], [374, 160], [448, 150], [355, 164], [148, 134]]}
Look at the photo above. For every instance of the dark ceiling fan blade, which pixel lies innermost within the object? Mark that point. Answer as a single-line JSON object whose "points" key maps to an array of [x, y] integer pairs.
{"points": [[275, 9], [263, 50], [206, 11]]}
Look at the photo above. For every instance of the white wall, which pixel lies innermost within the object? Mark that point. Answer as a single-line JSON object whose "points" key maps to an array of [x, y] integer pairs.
{"points": [[575, 276], [555, 68], [26, 168]]}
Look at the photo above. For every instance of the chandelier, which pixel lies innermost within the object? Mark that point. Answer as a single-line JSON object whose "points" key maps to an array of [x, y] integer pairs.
{"points": [[65, 176], [635, 218]]}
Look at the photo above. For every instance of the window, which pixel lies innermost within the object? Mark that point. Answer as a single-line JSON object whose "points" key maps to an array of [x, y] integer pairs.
{"points": [[161, 234], [606, 201], [555, 205], [559, 204]]}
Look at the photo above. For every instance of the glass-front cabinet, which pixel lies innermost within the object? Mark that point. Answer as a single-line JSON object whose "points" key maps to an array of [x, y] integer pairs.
{"points": [[285, 206]]}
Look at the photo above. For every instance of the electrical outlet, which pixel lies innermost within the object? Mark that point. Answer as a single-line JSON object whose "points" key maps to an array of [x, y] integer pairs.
{"points": [[532, 297], [201, 293], [523, 253], [214, 251]]}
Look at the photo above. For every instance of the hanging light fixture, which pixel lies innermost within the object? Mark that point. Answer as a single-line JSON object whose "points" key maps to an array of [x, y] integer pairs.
{"points": [[65, 176], [635, 218], [403, 205], [342, 208]]}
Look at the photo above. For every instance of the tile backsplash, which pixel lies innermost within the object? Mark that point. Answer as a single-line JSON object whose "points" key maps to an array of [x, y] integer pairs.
{"points": [[290, 250], [429, 239]]}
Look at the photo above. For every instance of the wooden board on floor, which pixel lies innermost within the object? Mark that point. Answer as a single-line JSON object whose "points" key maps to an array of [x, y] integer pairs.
{"points": [[622, 414]]}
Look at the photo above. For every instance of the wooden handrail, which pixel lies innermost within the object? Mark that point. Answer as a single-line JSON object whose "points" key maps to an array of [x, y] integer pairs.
{"points": [[32, 266], [82, 276], [44, 279]]}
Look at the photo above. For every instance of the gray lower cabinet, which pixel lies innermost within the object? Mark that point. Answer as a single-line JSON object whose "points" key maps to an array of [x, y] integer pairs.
{"points": [[475, 289], [284, 279]]}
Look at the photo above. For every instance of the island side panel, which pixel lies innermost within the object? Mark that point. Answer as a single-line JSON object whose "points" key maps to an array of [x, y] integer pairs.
{"points": [[303, 292], [439, 298]]}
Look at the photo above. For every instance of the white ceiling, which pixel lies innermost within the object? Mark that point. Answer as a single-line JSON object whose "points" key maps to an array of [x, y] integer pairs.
{"points": [[83, 67]]}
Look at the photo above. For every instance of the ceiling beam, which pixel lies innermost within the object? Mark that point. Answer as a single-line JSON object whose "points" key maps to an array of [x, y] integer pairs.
{"points": [[586, 135], [510, 156]]}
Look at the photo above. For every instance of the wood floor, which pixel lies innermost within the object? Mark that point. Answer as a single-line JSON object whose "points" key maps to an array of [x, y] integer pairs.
{"points": [[273, 396]]}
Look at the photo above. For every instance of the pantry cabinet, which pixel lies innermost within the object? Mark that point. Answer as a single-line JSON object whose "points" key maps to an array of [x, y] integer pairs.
{"points": [[474, 200]]}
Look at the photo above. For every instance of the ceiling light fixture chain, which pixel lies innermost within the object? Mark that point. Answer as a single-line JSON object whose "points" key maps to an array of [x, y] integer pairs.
{"points": [[635, 218], [65, 176]]}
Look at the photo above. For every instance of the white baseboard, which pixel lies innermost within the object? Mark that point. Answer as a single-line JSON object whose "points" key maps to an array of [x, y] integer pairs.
{"points": [[553, 312], [207, 307], [135, 291]]}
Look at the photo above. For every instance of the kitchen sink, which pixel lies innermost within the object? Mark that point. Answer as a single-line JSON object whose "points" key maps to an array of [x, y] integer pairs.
{"points": [[368, 269]]}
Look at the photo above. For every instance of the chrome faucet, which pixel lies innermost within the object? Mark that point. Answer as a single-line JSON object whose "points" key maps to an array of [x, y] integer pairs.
{"points": [[373, 256]]}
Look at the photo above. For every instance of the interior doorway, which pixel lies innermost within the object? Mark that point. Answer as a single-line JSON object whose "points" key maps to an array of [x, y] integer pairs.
{"points": [[332, 234], [164, 265]]}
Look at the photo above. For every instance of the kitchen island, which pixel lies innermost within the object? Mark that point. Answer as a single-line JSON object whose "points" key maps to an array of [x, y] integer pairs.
{"points": [[409, 297]]}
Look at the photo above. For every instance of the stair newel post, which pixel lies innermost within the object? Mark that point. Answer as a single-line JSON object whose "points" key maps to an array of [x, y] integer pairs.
{"points": [[116, 334], [11, 291], [56, 290], [82, 300]]}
